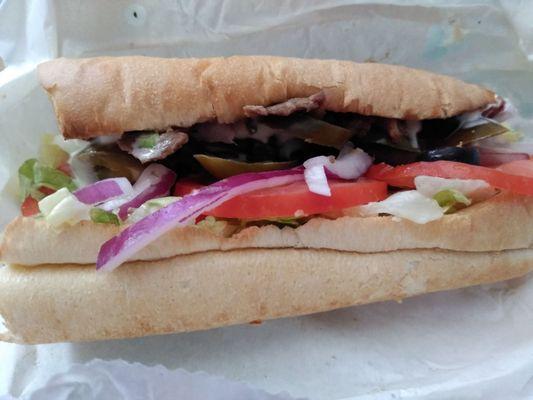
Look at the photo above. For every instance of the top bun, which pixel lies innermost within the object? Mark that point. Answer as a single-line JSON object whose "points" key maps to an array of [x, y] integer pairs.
{"points": [[110, 95]]}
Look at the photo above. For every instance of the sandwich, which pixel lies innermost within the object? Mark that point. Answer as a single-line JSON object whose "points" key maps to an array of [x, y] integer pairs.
{"points": [[188, 194]]}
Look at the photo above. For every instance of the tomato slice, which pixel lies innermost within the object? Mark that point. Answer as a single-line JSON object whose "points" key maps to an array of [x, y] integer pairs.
{"points": [[29, 207], [519, 167], [46, 191], [404, 175], [66, 169], [186, 186], [296, 199]]}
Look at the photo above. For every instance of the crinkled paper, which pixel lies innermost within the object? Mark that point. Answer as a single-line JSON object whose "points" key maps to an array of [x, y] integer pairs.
{"points": [[475, 343]]}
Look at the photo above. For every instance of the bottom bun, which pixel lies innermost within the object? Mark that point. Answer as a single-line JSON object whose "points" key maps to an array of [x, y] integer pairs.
{"points": [[46, 304]]}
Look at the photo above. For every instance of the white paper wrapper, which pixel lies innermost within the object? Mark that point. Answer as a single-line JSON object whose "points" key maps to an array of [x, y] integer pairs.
{"points": [[119, 380], [475, 343]]}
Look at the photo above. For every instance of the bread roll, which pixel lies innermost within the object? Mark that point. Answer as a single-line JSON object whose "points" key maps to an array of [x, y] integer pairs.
{"points": [[107, 95], [211, 289]]}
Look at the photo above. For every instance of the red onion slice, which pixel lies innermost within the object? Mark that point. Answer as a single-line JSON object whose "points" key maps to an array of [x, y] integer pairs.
{"points": [[120, 248], [104, 190], [155, 181]]}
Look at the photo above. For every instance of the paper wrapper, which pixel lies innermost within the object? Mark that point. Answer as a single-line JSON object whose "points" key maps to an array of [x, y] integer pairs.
{"points": [[470, 344], [113, 380]]}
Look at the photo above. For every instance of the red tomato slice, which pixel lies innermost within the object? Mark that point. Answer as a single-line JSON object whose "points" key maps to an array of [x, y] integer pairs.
{"points": [[29, 207], [286, 201], [186, 186], [519, 167], [65, 168], [46, 191], [404, 175]]}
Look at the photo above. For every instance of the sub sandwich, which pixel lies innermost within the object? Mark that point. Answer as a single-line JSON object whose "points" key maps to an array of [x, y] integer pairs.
{"points": [[187, 194]]}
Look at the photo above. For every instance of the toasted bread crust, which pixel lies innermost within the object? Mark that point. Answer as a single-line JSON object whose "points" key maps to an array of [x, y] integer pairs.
{"points": [[107, 95]]}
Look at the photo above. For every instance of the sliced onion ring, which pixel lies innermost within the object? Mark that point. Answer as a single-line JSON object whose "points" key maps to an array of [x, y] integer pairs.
{"points": [[104, 190], [121, 247], [155, 181]]}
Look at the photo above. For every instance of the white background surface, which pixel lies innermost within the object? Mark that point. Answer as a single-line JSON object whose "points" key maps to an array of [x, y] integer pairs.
{"points": [[475, 343]]}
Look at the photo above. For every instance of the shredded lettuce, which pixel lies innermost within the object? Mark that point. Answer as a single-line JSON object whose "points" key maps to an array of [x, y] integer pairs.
{"points": [[217, 226], [150, 207], [27, 179], [52, 178], [409, 204], [475, 189], [432, 198], [62, 207], [33, 175], [287, 221], [47, 204], [83, 171], [43, 171], [103, 217], [429, 186], [451, 200], [147, 140]]}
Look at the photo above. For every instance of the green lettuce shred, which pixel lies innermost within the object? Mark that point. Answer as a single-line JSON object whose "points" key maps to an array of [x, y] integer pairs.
{"points": [[52, 178], [150, 207], [32, 175], [147, 140], [451, 200], [287, 221], [27, 179], [217, 226], [103, 217]]}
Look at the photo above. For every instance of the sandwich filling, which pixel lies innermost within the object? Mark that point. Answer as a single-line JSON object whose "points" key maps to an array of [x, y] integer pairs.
{"points": [[283, 164]]}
